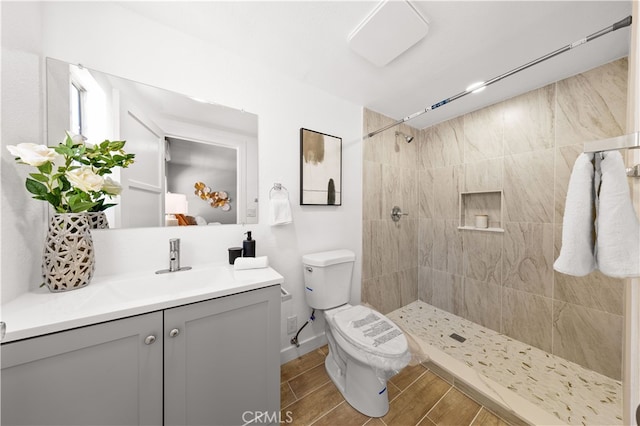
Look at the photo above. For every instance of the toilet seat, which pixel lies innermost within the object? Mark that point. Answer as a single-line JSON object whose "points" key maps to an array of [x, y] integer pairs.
{"points": [[371, 333]]}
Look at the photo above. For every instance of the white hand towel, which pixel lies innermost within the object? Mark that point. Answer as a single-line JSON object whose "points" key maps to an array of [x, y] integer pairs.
{"points": [[618, 230], [279, 209], [576, 255], [250, 263]]}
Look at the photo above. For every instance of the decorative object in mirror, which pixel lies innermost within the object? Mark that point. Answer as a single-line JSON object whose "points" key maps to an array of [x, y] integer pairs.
{"points": [[320, 169], [214, 198], [177, 140], [71, 178]]}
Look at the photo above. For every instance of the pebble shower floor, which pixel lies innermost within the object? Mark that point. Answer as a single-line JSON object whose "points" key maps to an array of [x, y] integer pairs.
{"points": [[571, 392]]}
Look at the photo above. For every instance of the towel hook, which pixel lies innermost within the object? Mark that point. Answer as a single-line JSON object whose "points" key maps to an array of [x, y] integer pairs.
{"points": [[278, 187]]}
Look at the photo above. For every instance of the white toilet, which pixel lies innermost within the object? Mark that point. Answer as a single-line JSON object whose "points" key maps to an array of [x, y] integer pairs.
{"points": [[365, 347]]}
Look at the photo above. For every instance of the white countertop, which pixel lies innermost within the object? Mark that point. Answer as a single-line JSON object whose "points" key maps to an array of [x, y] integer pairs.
{"points": [[104, 299]]}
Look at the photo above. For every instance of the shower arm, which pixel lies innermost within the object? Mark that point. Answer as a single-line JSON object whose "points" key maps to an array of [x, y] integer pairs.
{"points": [[620, 24]]}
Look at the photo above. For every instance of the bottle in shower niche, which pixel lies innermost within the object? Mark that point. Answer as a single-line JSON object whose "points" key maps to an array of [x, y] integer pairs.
{"points": [[249, 246]]}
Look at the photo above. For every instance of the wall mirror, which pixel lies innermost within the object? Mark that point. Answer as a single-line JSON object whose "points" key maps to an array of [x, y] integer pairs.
{"points": [[196, 162]]}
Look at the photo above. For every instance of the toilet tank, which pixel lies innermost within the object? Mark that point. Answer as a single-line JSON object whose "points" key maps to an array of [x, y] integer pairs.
{"points": [[327, 278]]}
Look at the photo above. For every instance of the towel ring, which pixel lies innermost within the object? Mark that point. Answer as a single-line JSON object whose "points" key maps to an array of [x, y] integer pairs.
{"points": [[278, 187]]}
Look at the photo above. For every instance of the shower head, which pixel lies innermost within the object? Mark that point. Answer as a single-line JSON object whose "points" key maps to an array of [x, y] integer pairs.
{"points": [[407, 138]]}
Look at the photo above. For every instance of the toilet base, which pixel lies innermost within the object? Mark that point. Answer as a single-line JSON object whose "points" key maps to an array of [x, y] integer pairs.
{"points": [[359, 385]]}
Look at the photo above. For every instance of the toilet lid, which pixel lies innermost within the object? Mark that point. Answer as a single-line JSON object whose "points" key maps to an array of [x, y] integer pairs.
{"points": [[371, 331]]}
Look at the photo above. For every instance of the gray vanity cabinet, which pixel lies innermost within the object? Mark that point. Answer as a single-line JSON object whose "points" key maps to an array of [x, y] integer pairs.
{"points": [[108, 373], [214, 362], [222, 360]]}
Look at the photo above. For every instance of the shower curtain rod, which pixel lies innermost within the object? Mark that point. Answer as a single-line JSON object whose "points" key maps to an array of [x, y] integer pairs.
{"points": [[620, 24]]}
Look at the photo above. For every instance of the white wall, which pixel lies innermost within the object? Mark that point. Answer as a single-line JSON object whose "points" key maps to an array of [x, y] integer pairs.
{"points": [[109, 38]]}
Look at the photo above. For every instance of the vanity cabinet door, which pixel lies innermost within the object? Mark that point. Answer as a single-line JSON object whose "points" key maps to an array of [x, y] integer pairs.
{"points": [[222, 360], [107, 374]]}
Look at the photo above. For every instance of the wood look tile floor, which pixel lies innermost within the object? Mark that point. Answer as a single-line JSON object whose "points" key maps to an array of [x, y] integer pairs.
{"points": [[417, 396]]}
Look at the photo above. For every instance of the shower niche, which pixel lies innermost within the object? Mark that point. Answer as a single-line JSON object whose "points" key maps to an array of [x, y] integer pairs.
{"points": [[481, 211]]}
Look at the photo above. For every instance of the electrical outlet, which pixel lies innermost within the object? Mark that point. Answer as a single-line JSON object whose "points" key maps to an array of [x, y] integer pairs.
{"points": [[292, 324]]}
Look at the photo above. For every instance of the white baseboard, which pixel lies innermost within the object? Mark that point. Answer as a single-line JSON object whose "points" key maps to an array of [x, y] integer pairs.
{"points": [[306, 346]]}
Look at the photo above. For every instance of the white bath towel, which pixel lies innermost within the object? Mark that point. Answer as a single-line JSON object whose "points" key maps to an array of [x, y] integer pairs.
{"points": [[250, 263], [618, 230], [576, 255], [279, 209]]}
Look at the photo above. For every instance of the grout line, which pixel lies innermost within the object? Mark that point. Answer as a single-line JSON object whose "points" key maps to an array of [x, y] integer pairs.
{"points": [[477, 414], [327, 412], [434, 406]]}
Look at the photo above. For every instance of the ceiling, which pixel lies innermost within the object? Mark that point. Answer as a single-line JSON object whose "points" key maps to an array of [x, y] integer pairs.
{"points": [[467, 41]]}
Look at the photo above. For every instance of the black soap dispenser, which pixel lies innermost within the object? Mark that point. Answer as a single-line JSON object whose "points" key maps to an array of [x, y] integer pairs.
{"points": [[249, 246]]}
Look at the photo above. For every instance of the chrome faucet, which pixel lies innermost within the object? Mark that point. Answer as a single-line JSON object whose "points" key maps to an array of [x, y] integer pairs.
{"points": [[174, 258]]}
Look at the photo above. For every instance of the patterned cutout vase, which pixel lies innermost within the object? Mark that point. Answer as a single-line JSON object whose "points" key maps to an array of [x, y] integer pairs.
{"points": [[68, 259], [97, 220]]}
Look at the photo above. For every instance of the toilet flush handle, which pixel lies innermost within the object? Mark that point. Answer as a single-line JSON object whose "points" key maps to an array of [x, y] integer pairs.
{"points": [[309, 269]]}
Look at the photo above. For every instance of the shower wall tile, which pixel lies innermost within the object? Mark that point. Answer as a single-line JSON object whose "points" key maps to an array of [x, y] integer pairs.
{"points": [[372, 191], [448, 292], [482, 303], [483, 175], [408, 151], [447, 183], [425, 160], [592, 105], [527, 317], [529, 121], [483, 134], [425, 242], [483, 256], [408, 282], [447, 247], [528, 257], [407, 230], [399, 188], [445, 144], [528, 183], [425, 193], [372, 149], [588, 337], [596, 290], [565, 157], [384, 247], [425, 284], [382, 292], [367, 246]]}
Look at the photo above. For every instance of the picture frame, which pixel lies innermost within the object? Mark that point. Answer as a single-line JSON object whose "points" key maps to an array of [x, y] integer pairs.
{"points": [[320, 169]]}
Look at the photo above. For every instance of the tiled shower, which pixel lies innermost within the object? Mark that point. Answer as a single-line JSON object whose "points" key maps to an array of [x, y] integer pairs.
{"points": [[522, 149]]}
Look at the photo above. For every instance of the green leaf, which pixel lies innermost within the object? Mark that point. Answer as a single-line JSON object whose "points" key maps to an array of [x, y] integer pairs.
{"points": [[39, 177], [36, 188], [81, 206], [45, 168]]}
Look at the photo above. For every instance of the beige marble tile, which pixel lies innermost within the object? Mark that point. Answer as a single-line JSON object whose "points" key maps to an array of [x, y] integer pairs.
{"points": [[382, 292], [425, 242], [483, 256], [384, 248], [408, 151], [447, 183], [529, 121], [372, 191], [588, 337], [482, 303], [565, 157], [527, 317], [425, 160], [528, 187], [527, 256], [592, 105], [483, 175], [448, 292], [425, 284], [425, 193], [367, 247], [445, 144], [595, 290], [392, 189], [447, 246], [407, 229], [483, 134], [409, 189], [407, 280], [372, 149]]}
